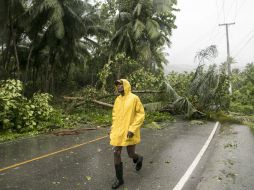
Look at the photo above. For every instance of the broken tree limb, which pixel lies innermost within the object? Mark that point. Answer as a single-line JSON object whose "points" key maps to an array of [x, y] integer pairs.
{"points": [[73, 131], [102, 103], [147, 91], [106, 96], [73, 98], [94, 101], [80, 104], [83, 101], [109, 95]]}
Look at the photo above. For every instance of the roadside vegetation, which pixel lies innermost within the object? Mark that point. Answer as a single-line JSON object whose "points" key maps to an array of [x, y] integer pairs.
{"points": [[59, 58]]}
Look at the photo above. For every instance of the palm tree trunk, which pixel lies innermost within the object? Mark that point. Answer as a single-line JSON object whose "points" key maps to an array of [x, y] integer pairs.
{"points": [[28, 63], [2, 54], [51, 72], [16, 56], [46, 87], [13, 35], [52, 79], [33, 76], [68, 70], [119, 72], [6, 56]]}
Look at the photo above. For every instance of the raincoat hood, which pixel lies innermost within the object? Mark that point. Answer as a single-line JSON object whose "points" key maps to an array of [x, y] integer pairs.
{"points": [[126, 86]]}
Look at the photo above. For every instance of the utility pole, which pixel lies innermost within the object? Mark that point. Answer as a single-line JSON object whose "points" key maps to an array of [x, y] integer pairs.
{"points": [[228, 54]]}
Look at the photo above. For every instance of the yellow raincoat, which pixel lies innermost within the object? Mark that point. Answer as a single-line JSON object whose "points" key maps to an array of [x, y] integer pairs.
{"points": [[128, 115]]}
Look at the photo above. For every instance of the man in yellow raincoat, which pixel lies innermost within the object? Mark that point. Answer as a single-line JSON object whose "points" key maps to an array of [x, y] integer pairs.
{"points": [[127, 117]]}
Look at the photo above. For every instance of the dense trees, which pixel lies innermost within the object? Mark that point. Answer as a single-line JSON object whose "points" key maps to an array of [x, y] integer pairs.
{"points": [[51, 43], [59, 46], [243, 90]]}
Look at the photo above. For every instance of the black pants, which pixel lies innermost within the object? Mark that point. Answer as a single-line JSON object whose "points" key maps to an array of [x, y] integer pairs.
{"points": [[118, 151]]}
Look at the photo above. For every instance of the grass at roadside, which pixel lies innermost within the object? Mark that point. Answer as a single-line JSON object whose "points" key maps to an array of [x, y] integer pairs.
{"points": [[233, 117], [10, 136], [93, 116]]}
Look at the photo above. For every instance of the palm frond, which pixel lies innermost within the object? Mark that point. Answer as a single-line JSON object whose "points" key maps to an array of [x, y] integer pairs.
{"points": [[130, 42], [59, 29], [122, 19], [205, 85], [95, 30], [137, 9], [89, 41], [152, 28], [159, 57], [206, 54], [82, 48], [138, 29], [120, 43], [145, 51], [56, 14], [117, 34]]}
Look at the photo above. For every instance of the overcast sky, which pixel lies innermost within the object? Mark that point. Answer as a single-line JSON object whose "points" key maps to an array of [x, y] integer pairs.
{"points": [[197, 28]]}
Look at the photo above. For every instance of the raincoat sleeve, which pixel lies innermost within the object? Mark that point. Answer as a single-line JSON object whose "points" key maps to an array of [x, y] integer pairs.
{"points": [[138, 118], [113, 114]]}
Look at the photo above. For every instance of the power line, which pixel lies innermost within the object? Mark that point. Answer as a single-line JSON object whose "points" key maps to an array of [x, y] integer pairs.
{"points": [[217, 10], [246, 43], [236, 7], [227, 11], [205, 38], [230, 9], [246, 36], [198, 40], [219, 36], [204, 35], [223, 5], [220, 10], [240, 7], [243, 2], [215, 36]]}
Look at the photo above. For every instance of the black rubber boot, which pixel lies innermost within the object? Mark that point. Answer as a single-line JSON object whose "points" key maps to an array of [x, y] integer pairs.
{"points": [[139, 163], [119, 176]]}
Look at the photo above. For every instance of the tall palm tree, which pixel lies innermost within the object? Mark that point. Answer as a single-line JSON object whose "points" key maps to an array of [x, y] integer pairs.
{"points": [[11, 12], [140, 31], [61, 35]]}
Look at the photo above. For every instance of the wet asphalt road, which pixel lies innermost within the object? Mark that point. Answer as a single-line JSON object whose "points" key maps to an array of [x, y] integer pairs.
{"points": [[231, 163], [167, 155]]}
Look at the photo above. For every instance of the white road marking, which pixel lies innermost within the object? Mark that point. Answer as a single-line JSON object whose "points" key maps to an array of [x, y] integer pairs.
{"points": [[192, 167]]}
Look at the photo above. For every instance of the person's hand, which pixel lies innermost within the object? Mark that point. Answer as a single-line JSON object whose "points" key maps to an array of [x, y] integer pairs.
{"points": [[109, 131], [130, 134]]}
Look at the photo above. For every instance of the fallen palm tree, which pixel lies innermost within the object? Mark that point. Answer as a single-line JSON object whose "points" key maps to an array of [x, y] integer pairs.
{"points": [[180, 105], [207, 91]]}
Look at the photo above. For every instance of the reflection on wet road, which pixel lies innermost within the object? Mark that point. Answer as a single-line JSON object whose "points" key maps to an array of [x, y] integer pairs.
{"points": [[167, 154]]}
